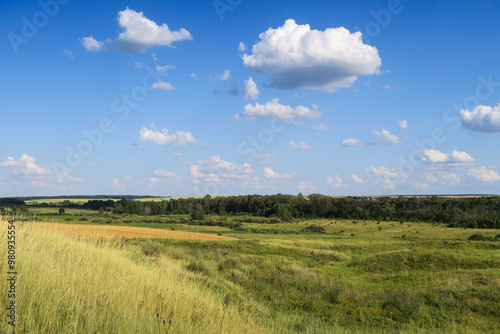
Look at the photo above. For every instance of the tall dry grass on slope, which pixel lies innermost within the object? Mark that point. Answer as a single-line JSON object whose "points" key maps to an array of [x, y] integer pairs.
{"points": [[67, 285]]}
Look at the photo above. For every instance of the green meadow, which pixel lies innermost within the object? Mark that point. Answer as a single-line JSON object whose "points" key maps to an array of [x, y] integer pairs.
{"points": [[307, 276]]}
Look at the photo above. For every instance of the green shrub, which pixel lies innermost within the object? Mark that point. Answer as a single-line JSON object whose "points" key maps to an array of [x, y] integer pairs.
{"points": [[478, 237], [314, 229], [199, 266]]}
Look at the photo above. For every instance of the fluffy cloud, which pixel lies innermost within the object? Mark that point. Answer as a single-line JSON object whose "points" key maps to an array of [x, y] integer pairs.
{"points": [[294, 57], [443, 178], [251, 90], [163, 85], [388, 138], [91, 44], [403, 125], [25, 166], [223, 77], [274, 109], [270, 174], [336, 182], [386, 177], [139, 34], [300, 146], [219, 171], [180, 138], [483, 174], [482, 118], [435, 156], [26, 171], [65, 177], [357, 179], [457, 156], [304, 186], [352, 142]]}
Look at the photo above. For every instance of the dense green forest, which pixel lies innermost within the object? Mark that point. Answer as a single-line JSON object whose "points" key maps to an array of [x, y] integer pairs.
{"points": [[470, 212], [473, 212]]}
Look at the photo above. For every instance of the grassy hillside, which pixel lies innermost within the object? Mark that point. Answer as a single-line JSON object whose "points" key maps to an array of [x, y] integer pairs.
{"points": [[355, 277], [80, 286]]}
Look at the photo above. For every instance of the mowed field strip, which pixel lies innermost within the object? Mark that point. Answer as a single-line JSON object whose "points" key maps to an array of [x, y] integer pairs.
{"points": [[117, 232]]}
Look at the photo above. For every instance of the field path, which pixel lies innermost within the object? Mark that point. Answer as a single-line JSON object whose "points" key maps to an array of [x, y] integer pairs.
{"points": [[117, 232]]}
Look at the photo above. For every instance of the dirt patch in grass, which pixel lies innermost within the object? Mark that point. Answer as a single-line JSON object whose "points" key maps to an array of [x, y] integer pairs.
{"points": [[117, 232]]}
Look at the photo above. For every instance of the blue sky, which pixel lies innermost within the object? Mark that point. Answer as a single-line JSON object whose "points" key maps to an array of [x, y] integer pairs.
{"points": [[239, 97]]}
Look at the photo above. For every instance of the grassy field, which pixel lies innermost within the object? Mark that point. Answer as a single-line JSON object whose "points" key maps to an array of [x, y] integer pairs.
{"points": [[60, 200], [57, 201], [356, 277], [119, 232]]}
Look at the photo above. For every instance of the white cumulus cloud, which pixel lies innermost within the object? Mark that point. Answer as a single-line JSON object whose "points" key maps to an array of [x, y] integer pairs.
{"points": [[219, 171], [251, 90], [403, 125], [274, 109], [25, 166], [483, 174], [180, 138], [162, 85], [270, 174], [482, 118], [386, 177], [435, 156], [294, 57], [139, 34], [387, 137], [352, 142]]}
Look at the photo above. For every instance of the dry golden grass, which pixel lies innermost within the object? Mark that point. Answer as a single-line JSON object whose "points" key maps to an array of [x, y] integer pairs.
{"points": [[117, 232]]}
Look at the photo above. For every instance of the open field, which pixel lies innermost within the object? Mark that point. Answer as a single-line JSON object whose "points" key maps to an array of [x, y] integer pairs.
{"points": [[58, 201], [117, 232], [356, 277], [61, 200]]}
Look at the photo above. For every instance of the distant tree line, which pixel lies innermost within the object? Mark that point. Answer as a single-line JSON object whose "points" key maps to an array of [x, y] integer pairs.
{"points": [[11, 201], [473, 212]]}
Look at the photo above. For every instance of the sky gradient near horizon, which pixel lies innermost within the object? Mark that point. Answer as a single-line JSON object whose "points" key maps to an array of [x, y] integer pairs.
{"points": [[224, 97]]}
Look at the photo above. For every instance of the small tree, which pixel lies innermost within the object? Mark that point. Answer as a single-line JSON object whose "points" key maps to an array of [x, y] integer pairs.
{"points": [[197, 213], [62, 211]]}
